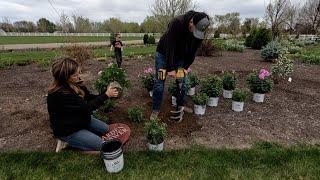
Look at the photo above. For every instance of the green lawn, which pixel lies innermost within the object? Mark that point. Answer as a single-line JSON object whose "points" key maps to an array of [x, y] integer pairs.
{"points": [[55, 39], [264, 161], [311, 54], [26, 57]]}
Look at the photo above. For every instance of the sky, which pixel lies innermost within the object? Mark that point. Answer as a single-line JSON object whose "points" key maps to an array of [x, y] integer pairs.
{"points": [[126, 10]]}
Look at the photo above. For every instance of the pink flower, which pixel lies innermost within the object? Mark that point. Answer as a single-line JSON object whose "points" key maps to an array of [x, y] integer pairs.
{"points": [[263, 74], [149, 70], [189, 70]]}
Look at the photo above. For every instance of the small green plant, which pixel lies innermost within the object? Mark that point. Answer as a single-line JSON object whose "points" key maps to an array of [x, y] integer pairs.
{"points": [[272, 50], [193, 80], [109, 75], [100, 117], [282, 68], [260, 82], [135, 114], [239, 95], [151, 40], [173, 89], [229, 81], [211, 86], [233, 45], [310, 58], [44, 63], [156, 131], [108, 106], [200, 99], [147, 79]]}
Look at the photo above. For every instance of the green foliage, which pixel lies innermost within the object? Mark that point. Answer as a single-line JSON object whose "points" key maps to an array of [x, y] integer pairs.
{"points": [[282, 68], [151, 40], [147, 80], [193, 80], [108, 106], [239, 95], [100, 117], [112, 37], [145, 39], [109, 75], [311, 59], [258, 38], [156, 131], [135, 114], [258, 85], [216, 34], [229, 81], [272, 50], [233, 45], [200, 99], [211, 86], [173, 88]]}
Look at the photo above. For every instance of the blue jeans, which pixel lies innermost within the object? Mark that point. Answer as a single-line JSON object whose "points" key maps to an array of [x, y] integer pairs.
{"points": [[158, 88], [88, 139]]}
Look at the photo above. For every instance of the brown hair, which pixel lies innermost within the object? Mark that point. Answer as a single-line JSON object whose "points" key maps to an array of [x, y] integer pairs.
{"points": [[61, 70]]}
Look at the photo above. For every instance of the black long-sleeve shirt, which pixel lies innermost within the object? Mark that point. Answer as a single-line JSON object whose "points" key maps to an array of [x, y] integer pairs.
{"points": [[178, 43], [69, 112]]}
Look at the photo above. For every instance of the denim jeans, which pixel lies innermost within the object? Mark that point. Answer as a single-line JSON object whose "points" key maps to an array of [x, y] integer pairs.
{"points": [[158, 88], [88, 139]]}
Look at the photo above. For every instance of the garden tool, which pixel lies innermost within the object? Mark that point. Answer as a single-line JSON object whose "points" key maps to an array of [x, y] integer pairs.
{"points": [[178, 113]]}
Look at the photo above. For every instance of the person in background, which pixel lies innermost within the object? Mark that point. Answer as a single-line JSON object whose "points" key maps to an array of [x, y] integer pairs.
{"points": [[118, 49]]}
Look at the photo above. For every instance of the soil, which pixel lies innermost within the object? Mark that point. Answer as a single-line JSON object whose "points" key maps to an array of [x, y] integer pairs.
{"points": [[289, 116]]}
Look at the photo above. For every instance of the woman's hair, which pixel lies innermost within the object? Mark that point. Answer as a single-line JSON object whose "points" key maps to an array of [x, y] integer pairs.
{"points": [[62, 69]]}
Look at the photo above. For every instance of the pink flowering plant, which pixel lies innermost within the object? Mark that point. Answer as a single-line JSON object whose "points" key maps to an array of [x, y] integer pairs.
{"points": [[147, 78], [260, 81]]}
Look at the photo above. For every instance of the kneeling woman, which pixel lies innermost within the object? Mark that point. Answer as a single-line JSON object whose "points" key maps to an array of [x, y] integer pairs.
{"points": [[70, 107]]}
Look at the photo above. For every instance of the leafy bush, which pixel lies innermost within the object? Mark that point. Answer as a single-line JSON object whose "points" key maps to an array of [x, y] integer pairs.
{"points": [[239, 95], [145, 39], [193, 80], [216, 34], [229, 81], [109, 75], [151, 40], [173, 89], [312, 59], [260, 82], [156, 131], [79, 53], [211, 86], [112, 37], [147, 79], [108, 106], [282, 68], [206, 49], [200, 99], [100, 117], [258, 38], [232, 45], [272, 50], [135, 114]]}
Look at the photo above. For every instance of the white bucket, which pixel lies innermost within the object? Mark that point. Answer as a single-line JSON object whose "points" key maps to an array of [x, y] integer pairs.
{"points": [[227, 94], [199, 109], [150, 93], [213, 101], [237, 106], [192, 91], [155, 147], [259, 98], [112, 155], [174, 101]]}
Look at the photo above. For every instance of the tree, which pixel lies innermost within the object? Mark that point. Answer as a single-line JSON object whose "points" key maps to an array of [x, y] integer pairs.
{"points": [[81, 24], [165, 10], [112, 25], [24, 26], [6, 25], [131, 27], [310, 16], [291, 17], [45, 25], [149, 25], [249, 24], [228, 23], [276, 15], [65, 24]]}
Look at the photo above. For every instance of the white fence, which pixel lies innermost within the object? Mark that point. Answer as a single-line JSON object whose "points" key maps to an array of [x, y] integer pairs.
{"points": [[73, 34]]}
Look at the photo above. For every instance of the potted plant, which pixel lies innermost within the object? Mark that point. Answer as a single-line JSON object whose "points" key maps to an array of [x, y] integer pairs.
{"points": [[135, 114], [173, 89], [229, 84], [212, 86], [238, 98], [200, 101], [193, 81], [147, 80], [260, 83], [156, 132]]}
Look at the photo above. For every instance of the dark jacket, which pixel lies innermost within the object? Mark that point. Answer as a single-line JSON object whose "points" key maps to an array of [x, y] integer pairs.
{"points": [[69, 112], [178, 43]]}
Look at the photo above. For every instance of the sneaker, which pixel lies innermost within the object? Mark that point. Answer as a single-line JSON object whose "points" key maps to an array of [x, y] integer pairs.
{"points": [[176, 117], [154, 115]]}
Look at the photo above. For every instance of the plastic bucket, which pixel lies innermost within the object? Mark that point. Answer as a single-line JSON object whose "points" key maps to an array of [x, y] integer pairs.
{"points": [[192, 91], [112, 155], [227, 94], [259, 98], [213, 101]]}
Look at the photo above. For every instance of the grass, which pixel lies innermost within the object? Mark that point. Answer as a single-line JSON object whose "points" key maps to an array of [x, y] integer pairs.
{"points": [[56, 39], [42, 57], [311, 54], [264, 161]]}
